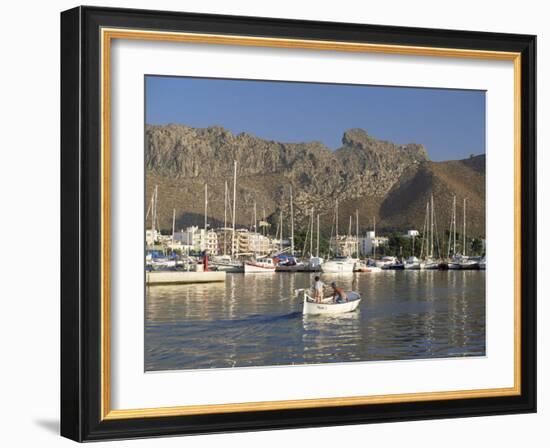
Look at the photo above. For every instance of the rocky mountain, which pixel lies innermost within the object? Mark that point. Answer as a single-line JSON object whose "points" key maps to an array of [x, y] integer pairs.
{"points": [[383, 180]]}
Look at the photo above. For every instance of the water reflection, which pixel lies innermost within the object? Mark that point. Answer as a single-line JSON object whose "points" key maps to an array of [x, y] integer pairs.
{"points": [[255, 320]]}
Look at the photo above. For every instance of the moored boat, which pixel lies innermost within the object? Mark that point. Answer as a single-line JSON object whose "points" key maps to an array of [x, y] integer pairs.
{"points": [[366, 266], [469, 264], [483, 264], [431, 264], [385, 261], [226, 264], [412, 263], [288, 263], [338, 265], [396, 266], [454, 264], [314, 264], [261, 265]]}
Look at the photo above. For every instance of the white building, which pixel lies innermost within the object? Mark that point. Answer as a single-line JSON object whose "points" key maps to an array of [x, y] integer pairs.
{"points": [[259, 244], [197, 239], [371, 241], [187, 237], [412, 234], [245, 243]]}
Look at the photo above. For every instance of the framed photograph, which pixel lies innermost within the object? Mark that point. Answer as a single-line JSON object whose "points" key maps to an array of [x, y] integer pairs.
{"points": [[274, 223]]}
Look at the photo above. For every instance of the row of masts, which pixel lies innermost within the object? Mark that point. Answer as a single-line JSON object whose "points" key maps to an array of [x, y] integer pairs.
{"points": [[232, 204], [429, 233], [430, 242], [349, 235]]}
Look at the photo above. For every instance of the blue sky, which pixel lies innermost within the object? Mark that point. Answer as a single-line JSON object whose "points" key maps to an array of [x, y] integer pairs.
{"points": [[450, 123]]}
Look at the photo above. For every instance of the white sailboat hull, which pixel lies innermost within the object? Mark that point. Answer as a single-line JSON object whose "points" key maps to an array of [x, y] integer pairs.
{"points": [[469, 265], [333, 266], [413, 266]]}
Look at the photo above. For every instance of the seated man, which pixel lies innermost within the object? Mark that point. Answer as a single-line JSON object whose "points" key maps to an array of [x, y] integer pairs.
{"points": [[339, 294]]}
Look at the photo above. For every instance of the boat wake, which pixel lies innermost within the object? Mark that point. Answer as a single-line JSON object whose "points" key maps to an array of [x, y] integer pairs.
{"points": [[262, 319]]}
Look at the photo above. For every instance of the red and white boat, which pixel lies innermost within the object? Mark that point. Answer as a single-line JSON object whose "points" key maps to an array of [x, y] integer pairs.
{"points": [[259, 265]]}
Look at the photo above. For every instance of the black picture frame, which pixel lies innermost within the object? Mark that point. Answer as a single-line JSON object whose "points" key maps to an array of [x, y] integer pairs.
{"points": [[81, 224]]}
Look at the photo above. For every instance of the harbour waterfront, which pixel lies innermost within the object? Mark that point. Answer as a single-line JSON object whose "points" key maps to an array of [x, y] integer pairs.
{"points": [[255, 320]]}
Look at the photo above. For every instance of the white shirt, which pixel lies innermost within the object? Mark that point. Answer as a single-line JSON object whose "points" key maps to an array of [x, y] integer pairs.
{"points": [[318, 285]]}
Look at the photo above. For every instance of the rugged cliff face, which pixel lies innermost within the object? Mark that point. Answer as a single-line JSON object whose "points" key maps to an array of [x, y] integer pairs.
{"points": [[379, 178]]}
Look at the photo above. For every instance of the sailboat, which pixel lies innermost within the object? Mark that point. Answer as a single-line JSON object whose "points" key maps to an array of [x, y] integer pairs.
{"points": [[412, 263], [338, 263], [466, 263], [430, 262], [314, 262], [455, 259], [288, 262], [153, 259], [226, 262], [362, 265]]}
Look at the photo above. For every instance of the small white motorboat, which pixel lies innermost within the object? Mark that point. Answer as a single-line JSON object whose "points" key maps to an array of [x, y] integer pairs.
{"points": [[258, 266], [327, 305], [225, 263]]}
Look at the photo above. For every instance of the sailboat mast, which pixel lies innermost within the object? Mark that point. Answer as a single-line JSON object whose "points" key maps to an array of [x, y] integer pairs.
{"points": [[281, 236], [317, 252], [424, 243], [311, 235], [357, 233], [154, 212], [234, 197], [336, 249], [454, 224], [374, 237], [225, 220], [205, 207], [464, 230], [173, 226], [432, 227], [255, 219], [291, 224], [348, 239], [336, 219]]}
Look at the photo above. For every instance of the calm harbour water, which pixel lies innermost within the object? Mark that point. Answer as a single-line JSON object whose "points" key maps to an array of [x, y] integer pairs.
{"points": [[254, 320]]}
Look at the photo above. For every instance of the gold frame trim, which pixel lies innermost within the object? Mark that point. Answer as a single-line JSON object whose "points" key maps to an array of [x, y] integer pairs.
{"points": [[107, 35]]}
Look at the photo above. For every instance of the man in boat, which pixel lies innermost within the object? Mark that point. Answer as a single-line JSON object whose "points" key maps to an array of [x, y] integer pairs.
{"points": [[318, 289], [339, 295]]}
